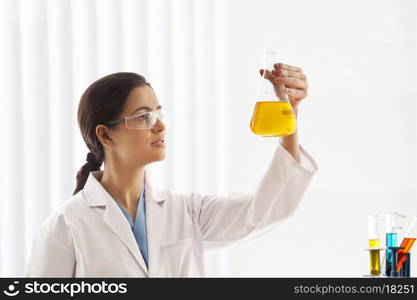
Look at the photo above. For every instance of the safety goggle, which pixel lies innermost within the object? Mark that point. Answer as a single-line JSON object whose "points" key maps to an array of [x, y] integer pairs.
{"points": [[146, 120]]}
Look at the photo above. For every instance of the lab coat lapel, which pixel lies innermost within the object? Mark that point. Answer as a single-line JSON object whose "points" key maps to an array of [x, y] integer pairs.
{"points": [[113, 217], [155, 215]]}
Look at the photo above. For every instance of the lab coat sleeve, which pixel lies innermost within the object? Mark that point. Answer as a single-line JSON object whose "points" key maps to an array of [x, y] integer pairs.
{"points": [[225, 220], [51, 256]]}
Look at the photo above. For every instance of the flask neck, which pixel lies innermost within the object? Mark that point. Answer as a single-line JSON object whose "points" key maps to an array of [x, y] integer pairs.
{"points": [[269, 90]]}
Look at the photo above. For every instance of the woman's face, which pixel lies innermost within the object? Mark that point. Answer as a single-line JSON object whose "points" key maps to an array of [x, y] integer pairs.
{"points": [[134, 146]]}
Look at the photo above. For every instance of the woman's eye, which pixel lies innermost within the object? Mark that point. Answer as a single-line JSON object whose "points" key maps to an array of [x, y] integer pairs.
{"points": [[143, 117]]}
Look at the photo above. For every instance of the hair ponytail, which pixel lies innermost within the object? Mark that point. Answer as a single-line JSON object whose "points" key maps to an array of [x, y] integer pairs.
{"points": [[93, 163], [102, 102]]}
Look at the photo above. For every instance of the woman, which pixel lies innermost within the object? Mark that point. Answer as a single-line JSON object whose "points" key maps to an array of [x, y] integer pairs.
{"points": [[117, 224]]}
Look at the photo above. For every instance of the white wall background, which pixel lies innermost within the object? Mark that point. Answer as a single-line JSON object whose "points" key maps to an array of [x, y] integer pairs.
{"points": [[358, 121], [52, 50]]}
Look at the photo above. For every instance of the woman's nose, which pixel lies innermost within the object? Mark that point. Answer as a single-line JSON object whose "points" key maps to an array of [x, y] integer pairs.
{"points": [[160, 125]]}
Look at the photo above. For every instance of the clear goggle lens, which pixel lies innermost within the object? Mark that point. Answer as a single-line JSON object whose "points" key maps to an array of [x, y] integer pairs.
{"points": [[145, 120]]}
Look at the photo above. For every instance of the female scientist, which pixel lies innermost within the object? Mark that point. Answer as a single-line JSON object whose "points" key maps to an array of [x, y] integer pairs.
{"points": [[117, 224]]}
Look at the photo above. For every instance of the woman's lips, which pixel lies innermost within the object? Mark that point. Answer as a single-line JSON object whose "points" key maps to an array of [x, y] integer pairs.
{"points": [[159, 143]]}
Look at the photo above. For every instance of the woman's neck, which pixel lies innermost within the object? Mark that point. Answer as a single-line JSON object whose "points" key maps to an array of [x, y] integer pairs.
{"points": [[124, 184]]}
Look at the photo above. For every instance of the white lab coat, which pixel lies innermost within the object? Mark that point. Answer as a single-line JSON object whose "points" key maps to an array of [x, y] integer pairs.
{"points": [[88, 236]]}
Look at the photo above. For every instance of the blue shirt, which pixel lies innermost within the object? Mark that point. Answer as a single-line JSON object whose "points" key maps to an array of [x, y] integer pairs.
{"points": [[139, 226]]}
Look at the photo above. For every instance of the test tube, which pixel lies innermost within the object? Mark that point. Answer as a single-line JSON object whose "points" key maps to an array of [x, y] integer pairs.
{"points": [[393, 226], [373, 231], [394, 251], [407, 243], [399, 226], [405, 270], [374, 244], [390, 225]]}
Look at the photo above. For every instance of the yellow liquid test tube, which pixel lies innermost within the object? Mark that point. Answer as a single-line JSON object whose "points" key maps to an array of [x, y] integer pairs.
{"points": [[375, 266], [374, 245], [375, 258]]}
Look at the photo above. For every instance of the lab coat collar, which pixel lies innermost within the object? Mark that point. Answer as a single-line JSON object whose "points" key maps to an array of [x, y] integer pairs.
{"points": [[93, 189], [97, 196]]}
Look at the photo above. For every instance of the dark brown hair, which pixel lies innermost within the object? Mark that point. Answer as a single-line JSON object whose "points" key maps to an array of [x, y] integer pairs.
{"points": [[102, 102]]}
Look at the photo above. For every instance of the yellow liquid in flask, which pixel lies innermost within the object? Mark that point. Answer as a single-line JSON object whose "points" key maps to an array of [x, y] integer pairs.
{"points": [[273, 118]]}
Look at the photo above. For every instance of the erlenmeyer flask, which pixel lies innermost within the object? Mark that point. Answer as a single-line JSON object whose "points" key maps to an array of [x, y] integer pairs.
{"points": [[273, 114]]}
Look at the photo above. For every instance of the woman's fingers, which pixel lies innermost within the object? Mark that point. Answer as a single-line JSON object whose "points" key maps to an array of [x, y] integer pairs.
{"points": [[283, 72], [296, 94], [288, 73], [293, 79], [292, 82], [268, 74], [279, 66]]}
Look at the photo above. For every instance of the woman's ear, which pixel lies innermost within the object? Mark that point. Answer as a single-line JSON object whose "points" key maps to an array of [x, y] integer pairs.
{"points": [[104, 135]]}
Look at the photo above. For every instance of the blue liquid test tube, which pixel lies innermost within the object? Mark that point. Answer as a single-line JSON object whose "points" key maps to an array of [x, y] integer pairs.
{"points": [[394, 224], [394, 251]]}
